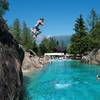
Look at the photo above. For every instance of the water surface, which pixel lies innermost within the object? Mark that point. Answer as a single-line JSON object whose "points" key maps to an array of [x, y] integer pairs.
{"points": [[63, 80]]}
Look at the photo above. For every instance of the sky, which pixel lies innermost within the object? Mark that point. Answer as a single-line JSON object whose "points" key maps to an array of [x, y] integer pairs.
{"points": [[60, 15]]}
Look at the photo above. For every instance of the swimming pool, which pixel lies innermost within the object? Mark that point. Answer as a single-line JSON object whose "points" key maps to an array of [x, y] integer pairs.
{"points": [[63, 80]]}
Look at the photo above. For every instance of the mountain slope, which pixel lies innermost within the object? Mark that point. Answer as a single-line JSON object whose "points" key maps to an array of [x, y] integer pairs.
{"points": [[63, 40]]}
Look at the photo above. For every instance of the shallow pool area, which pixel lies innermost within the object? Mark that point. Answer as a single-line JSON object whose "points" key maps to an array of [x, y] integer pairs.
{"points": [[63, 80]]}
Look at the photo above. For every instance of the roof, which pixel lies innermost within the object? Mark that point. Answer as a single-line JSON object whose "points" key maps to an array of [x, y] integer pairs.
{"points": [[54, 54]]}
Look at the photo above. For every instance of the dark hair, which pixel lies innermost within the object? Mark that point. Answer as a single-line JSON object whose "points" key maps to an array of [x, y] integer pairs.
{"points": [[41, 18]]}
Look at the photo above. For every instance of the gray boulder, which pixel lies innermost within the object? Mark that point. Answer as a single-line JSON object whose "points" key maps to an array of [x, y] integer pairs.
{"points": [[11, 58], [92, 58]]}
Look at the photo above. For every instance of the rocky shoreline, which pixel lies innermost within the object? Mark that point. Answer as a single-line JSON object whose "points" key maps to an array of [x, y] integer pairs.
{"points": [[31, 63], [92, 58]]}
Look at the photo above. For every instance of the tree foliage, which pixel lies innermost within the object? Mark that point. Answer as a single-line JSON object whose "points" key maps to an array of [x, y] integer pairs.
{"points": [[35, 47], [94, 22], [48, 45], [78, 40], [4, 6], [92, 19], [84, 41], [22, 34], [26, 37], [16, 30]]}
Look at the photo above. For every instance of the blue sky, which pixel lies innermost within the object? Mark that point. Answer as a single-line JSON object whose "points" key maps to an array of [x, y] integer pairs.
{"points": [[59, 15]]}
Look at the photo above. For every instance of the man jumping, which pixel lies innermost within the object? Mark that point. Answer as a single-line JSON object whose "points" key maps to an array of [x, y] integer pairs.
{"points": [[36, 30]]}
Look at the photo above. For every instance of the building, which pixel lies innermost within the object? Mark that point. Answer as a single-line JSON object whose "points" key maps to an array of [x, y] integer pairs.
{"points": [[54, 55]]}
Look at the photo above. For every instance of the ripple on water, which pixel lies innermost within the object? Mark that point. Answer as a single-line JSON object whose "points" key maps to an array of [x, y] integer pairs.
{"points": [[62, 86]]}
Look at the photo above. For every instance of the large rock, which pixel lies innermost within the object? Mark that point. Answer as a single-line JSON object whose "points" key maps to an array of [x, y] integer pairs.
{"points": [[92, 58], [11, 57], [31, 62]]}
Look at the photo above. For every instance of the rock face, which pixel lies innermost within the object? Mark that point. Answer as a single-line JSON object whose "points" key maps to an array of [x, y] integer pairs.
{"points": [[33, 62], [92, 58], [11, 57]]}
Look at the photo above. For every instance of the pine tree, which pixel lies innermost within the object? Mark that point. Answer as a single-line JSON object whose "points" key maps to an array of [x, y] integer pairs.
{"points": [[35, 47], [16, 30], [92, 19], [52, 44], [78, 43], [48, 45], [80, 27], [26, 37], [94, 32], [4, 6], [44, 46]]}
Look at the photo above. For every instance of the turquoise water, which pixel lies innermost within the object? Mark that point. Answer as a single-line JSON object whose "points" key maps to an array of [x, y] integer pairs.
{"points": [[63, 80]]}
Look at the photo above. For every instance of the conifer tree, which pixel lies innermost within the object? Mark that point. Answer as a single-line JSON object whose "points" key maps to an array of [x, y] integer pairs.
{"points": [[78, 42], [26, 37], [16, 30], [92, 19], [94, 32], [4, 6]]}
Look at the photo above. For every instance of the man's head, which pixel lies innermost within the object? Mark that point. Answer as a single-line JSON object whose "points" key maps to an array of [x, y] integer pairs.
{"points": [[42, 19]]}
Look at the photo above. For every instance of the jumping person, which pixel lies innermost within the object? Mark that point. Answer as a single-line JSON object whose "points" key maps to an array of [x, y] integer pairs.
{"points": [[36, 30]]}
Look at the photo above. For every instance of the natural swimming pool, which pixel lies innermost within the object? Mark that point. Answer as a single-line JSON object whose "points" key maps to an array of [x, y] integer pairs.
{"points": [[63, 80]]}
